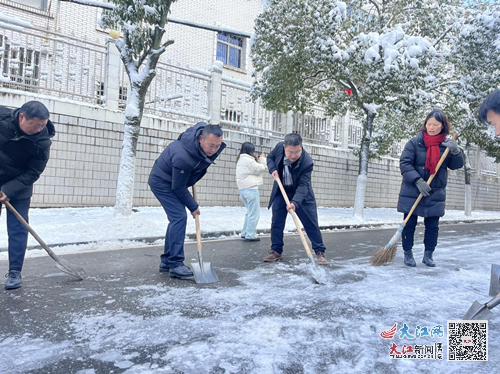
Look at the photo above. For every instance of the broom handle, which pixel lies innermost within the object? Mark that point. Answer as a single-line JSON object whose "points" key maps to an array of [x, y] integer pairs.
{"points": [[295, 218], [197, 220], [441, 160]]}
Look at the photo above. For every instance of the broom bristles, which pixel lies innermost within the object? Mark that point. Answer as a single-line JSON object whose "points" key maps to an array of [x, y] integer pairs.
{"points": [[384, 255]]}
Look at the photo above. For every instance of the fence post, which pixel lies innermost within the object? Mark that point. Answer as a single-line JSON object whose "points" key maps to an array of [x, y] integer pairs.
{"points": [[112, 76], [288, 123], [215, 92], [344, 131]]}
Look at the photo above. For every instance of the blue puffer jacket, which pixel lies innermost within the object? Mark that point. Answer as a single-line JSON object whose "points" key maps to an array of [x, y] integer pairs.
{"points": [[412, 164], [183, 163]]}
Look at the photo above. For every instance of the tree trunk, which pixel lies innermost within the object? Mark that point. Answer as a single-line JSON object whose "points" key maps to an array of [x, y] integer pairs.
{"points": [[359, 202], [126, 175], [468, 187]]}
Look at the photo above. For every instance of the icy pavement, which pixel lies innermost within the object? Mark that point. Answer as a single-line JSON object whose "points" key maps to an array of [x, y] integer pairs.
{"points": [[260, 318]]}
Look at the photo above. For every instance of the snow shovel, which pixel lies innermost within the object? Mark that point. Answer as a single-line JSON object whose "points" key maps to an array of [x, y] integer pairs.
{"points": [[203, 271], [480, 311], [318, 274], [61, 263], [387, 253]]}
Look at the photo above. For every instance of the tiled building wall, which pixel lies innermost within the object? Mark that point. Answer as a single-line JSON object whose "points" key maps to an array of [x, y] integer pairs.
{"points": [[85, 159]]}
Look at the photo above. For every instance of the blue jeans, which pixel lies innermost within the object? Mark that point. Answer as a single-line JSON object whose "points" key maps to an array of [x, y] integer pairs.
{"points": [[18, 234], [250, 198]]}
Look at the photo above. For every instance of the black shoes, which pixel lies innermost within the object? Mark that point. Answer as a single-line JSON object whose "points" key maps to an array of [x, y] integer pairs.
{"points": [[427, 260], [409, 260], [181, 272], [14, 280], [164, 268], [252, 239]]}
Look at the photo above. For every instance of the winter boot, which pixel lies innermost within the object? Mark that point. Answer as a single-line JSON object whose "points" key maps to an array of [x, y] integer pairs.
{"points": [[164, 268], [321, 258], [409, 260], [427, 260], [181, 272], [273, 256], [14, 280]]}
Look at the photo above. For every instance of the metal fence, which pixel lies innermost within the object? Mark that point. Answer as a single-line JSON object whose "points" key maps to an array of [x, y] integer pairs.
{"points": [[178, 93], [240, 113], [47, 63]]}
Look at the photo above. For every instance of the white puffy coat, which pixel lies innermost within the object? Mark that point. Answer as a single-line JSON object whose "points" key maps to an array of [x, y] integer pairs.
{"points": [[249, 172]]}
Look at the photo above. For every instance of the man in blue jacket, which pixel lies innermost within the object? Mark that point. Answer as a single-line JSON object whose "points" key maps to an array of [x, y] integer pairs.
{"points": [[293, 165], [183, 163], [24, 151]]}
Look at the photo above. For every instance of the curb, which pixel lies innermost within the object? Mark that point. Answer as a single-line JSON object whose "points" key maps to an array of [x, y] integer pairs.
{"points": [[231, 233]]}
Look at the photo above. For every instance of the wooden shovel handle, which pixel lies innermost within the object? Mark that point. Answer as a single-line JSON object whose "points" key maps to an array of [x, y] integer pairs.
{"points": [[30, 229], [295, 218], [197, 220], [431, 178]]}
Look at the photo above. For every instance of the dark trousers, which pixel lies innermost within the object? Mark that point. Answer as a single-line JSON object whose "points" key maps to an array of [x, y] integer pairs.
{"points": [[173, 254], [278, 225], [18, 234], [430, 233]]}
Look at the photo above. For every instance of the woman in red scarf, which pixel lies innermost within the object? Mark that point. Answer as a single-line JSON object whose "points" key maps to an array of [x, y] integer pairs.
{"points": [[418, 162]]}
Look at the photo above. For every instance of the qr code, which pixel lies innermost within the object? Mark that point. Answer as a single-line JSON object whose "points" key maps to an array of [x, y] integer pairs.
{"points": [[467, 340]]}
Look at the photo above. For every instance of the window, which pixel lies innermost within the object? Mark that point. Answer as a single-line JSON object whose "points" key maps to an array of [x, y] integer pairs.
{"points": [[229, 49], [39, 4]]}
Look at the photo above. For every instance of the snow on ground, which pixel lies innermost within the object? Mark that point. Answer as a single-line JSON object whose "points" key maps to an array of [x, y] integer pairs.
{"points": [[97, 228], [276, 320]]}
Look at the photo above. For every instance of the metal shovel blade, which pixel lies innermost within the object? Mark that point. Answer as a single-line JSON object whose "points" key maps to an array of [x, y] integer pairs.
{"points": [[495, 280], [204, 273], [70, 268], [478, 311]]}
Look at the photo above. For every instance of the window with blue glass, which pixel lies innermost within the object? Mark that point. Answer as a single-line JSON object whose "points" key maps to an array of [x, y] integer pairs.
{"points": [[229, 49]]}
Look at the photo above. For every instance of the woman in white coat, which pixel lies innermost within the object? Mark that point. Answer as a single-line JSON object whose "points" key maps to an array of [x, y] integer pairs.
{"points": [[249, 171]]}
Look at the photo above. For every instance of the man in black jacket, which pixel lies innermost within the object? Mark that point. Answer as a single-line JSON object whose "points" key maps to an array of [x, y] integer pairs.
{"points": [[293, 165], [24, 151], [183, 163]]}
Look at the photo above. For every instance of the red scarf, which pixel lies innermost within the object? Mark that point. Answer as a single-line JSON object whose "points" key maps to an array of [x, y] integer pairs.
{"points": [[433, 152]]}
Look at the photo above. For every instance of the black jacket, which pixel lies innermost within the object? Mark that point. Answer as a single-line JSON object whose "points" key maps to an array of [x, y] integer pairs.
{"points": [[412, 164], [22, 157], [183, 163], [301, 194]]}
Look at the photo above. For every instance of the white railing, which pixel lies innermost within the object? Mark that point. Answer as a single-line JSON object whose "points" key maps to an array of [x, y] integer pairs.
{"points": [[239, 112], [178, 93], [47, 63]]}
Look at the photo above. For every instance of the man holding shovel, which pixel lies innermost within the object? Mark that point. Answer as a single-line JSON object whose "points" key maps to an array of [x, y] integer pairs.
{"points": [[293, 165], [24, 151], [183, 163]]}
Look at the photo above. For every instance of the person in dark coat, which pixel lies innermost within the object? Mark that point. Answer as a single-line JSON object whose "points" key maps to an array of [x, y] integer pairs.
{"points": [[418, 162], [183, 163], [25, 135], [293, 165], [490, 111]]}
